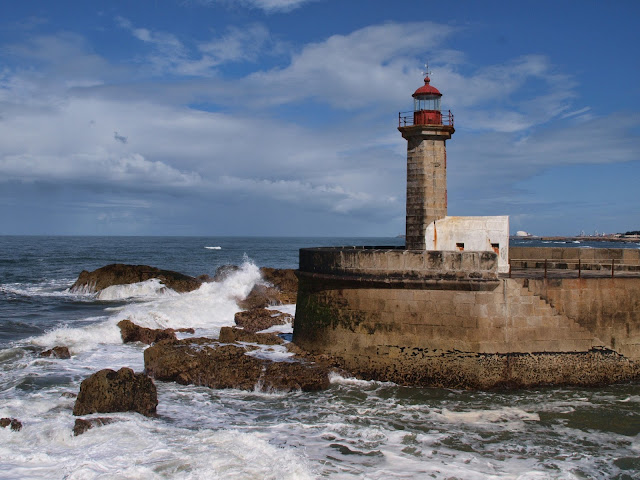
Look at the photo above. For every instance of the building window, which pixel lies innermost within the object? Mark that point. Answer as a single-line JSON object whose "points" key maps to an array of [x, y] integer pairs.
{"points": [[496, 248], [460, 246]]}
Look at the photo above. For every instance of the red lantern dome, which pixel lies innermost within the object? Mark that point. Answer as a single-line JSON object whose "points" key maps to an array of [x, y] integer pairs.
{"points": [[427, 89], [426, 105]]}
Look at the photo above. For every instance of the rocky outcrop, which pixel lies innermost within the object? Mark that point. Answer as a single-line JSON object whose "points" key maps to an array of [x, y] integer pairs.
{"points": [[223, 271], [122, 274], [130, 332], [280, 287], [57, 352], [208, 363], [14, 423], [260, 296], [122, 391], [204, 278], [288, 376], [81, 425], [233, 335], [196, 363], [258, 319], [284, 280]]}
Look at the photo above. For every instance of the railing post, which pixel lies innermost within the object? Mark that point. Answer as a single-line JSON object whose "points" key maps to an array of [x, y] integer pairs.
{"points": [[579, 268], [613, 260], [509, 268], [545, 268]]}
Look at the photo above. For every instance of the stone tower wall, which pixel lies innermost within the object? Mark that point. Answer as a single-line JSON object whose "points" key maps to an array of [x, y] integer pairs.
{"points": [[426, 188], [426, 179]]}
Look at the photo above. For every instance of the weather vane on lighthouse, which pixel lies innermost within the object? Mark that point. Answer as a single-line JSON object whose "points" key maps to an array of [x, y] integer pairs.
{"points": [[426, 71]]}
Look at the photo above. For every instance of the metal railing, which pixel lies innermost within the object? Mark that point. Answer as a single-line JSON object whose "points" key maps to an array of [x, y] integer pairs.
{"points": [[405, 119], [579, 265]]}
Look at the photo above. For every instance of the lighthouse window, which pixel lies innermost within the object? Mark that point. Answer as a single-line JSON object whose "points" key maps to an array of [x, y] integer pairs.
{"points": [[460, 246], [429, 103]]}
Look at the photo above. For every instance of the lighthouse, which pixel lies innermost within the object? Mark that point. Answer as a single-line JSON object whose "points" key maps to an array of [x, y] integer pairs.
{"points": [[426, 130], [428, 227]]}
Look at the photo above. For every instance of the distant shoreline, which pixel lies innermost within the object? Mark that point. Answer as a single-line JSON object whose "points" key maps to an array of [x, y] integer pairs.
{"points": [[581, 239]]}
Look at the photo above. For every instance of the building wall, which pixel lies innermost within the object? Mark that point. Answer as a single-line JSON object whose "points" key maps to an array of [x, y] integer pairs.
{"points": [[457, 333], [474, 233]]}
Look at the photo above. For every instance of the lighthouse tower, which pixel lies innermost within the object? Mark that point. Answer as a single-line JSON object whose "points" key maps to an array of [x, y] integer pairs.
{"points": [[426, 130]]}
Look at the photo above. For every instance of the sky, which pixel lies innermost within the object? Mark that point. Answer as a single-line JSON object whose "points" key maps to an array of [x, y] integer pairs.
{"points": [[279, 117]]}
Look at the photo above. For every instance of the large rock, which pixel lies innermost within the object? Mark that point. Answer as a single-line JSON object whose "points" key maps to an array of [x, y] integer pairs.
{"points": [[260, 296], [122, 391], [207, 363], [223, 271], [193, 362], [57, 352], [122, 274], [285, 280], [130, 332], [234, 335], [258, 319]]}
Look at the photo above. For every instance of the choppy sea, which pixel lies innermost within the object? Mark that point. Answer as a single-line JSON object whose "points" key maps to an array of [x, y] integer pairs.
{"points": [[356, 429]]}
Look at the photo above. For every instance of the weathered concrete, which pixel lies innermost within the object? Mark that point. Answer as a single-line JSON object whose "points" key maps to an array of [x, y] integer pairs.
{"points": [[388, 266], [401, 316], [426, 179], [609, 308], [480, 234]]}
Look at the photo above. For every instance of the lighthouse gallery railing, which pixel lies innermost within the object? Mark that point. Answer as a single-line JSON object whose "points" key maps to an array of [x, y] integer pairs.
{"points": [[405, 119]]}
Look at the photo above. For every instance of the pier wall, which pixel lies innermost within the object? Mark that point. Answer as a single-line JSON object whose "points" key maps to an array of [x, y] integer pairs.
{"points": [[624, 259], [609, 308], [447, 319]]}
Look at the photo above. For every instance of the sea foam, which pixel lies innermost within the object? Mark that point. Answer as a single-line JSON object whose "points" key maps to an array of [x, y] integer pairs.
{"points": [[208, 308], [143, 290]]}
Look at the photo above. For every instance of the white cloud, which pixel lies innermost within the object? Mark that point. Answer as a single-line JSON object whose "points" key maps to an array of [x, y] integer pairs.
{"points": [[66, 123], [64, 56], [127, 171], [492, 163], [237, 44], [577, 113], [375, 68], [170, 55], [336, 198], [514, 96], [269, 6], [276, 5], [368, 67]]}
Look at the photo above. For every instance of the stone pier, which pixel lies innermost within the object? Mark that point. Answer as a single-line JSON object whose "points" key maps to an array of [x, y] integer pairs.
{"points": [[447, 319]]}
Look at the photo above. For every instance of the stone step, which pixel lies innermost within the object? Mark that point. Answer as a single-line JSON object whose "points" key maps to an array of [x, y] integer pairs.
{"points": [[566, 328]]}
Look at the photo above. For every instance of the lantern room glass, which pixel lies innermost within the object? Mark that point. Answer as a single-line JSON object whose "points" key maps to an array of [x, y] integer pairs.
{"points": [[426, 102]]}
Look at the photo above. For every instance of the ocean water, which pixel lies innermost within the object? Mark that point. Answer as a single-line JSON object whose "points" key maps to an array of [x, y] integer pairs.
{"points": [[356, 429]]}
